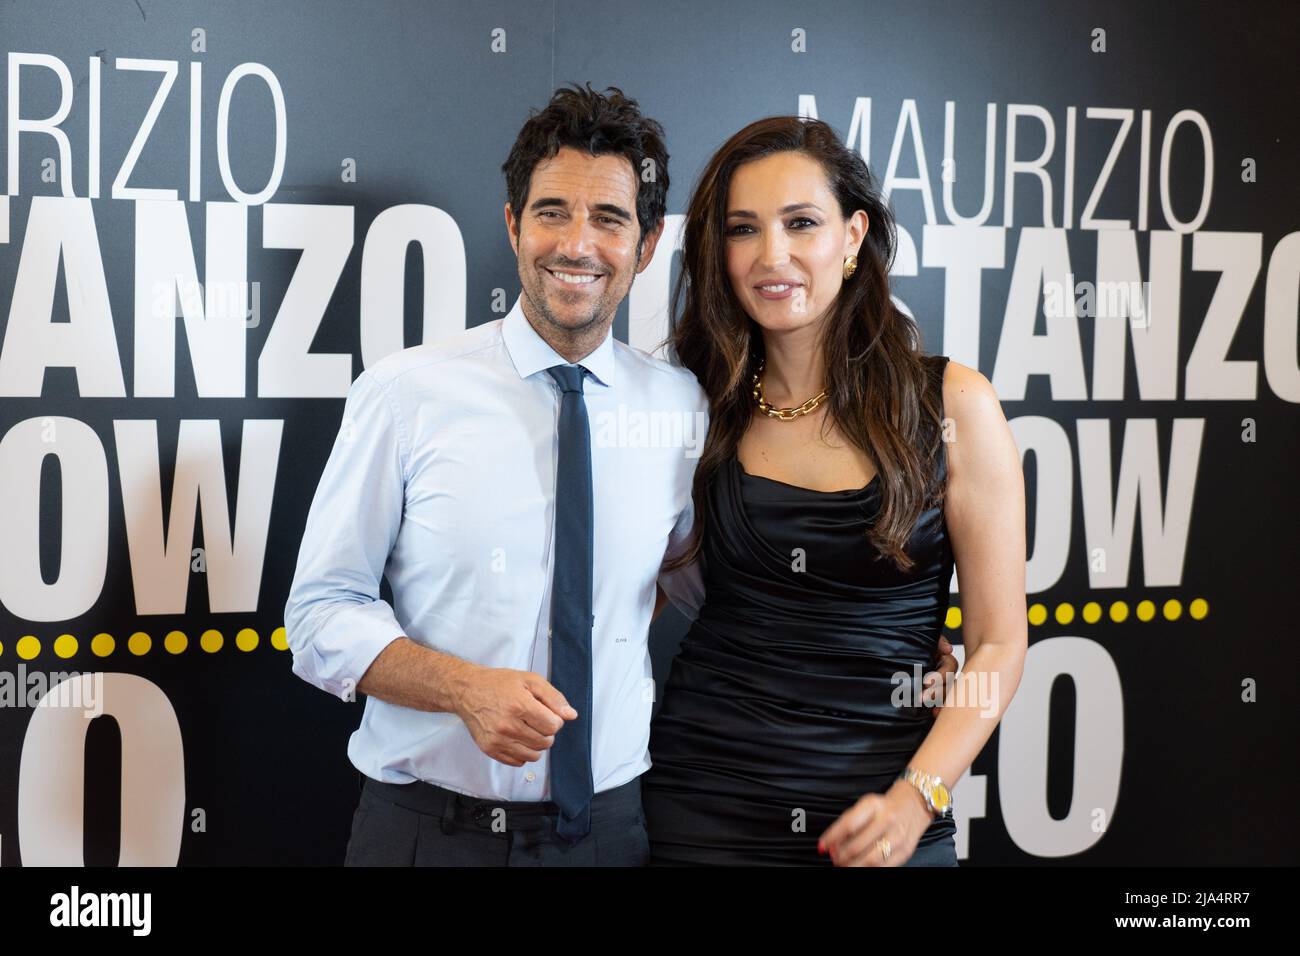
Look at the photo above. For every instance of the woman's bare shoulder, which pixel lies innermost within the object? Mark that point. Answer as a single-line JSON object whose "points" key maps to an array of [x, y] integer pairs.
{"points": [[979, 439], [967, 393]]}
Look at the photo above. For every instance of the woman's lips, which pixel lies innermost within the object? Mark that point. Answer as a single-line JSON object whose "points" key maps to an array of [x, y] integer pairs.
{"points": [[785, 293]]}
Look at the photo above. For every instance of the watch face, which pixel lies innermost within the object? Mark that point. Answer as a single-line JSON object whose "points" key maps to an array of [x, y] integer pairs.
{"points": [[939, 794]]}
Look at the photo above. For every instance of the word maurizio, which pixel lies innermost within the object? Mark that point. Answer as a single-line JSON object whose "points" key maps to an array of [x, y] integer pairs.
{"points": [[909, 145], [168, 70]]}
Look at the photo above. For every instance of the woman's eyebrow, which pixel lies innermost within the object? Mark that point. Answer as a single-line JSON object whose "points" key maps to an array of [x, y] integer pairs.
{"points": [[793, 207]]}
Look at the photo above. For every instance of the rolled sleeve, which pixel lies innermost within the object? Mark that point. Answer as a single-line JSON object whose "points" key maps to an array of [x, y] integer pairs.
{"points": [[335, 623], [685, 586]]}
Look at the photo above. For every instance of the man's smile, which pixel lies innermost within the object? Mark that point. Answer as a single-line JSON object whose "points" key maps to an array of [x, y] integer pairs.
{"points": [[574, 280]]}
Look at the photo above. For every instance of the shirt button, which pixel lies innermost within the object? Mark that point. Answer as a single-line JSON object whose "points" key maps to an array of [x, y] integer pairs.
{"points": [[530, 776]]}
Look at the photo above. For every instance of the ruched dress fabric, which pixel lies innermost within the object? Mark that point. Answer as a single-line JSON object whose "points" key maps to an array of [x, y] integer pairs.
{"points": [[780, 711]]}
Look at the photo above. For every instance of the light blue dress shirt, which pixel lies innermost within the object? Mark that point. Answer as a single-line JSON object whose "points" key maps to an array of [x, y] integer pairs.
{"points": [[442, 478]]}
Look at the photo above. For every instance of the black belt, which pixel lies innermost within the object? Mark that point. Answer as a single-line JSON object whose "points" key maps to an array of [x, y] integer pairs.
{"points": [[621, 802]]}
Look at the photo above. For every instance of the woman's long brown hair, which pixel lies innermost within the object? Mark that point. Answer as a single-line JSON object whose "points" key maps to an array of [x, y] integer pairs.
{"points": [[885, 395]]}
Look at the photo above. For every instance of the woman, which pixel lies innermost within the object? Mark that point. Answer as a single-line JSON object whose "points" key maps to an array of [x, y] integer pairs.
{"points": [[843, 474]]}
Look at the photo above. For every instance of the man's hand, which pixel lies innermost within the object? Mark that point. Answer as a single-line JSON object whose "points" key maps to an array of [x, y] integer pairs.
{"points": [[512, 715], [936, 681]]}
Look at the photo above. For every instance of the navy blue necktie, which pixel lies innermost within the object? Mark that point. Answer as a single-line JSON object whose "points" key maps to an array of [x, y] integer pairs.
{"points": [[571, 615]]}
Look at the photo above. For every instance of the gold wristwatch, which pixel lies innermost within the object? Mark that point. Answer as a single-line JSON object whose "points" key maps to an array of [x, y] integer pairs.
{"points": [[936, 795]]}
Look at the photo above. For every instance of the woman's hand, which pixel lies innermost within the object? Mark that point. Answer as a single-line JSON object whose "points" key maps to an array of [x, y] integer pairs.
{"points": [[899, 815]]}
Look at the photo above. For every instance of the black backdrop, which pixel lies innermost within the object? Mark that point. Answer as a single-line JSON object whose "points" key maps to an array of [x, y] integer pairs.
{"points": [[1161, 473]]}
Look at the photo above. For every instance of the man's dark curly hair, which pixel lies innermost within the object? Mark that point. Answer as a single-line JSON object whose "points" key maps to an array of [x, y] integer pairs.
{"points": [[598, 124]]}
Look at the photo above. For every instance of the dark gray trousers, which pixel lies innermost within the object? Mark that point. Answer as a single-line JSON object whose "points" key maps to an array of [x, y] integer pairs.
{"points": [[419, 824]]}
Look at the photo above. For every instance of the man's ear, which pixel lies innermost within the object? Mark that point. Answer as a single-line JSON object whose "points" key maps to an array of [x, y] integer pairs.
{"points": [[648, 244], [511, 227]]}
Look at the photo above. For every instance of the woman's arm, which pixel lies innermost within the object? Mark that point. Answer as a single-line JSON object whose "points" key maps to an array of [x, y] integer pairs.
{"points": [[985, 514]]}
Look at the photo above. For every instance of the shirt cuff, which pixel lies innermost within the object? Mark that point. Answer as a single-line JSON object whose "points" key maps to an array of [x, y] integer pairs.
{"points": [[333, 649]]}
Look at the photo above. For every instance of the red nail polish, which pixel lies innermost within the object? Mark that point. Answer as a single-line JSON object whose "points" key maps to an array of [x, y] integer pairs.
{"points": [[821, 847]]}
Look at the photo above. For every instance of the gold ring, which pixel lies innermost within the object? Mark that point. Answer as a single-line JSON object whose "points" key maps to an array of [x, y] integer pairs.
{"points": [[883, 846]]}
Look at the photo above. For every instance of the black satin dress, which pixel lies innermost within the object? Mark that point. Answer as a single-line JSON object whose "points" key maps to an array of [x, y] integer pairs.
{"points": [[778, 712]]}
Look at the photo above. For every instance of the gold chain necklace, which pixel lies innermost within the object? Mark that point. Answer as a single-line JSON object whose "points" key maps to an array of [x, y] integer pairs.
{"points": [[784, 414]]}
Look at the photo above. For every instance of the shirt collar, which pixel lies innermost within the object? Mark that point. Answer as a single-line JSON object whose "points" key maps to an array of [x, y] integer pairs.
{"points": [[530, 353]]}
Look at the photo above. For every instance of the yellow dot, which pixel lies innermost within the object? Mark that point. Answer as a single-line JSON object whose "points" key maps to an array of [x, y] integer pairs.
{"points": [[101, 645], [27, 647], [278, 640], [2, 647], [65, 645], [1198, 608], [246, 640], [139, 643], [211, 641], [1173, 609], [1118, 611], [1092, 612], [1146, 610], [176, 642], [1064, 613], [1037, 614]]}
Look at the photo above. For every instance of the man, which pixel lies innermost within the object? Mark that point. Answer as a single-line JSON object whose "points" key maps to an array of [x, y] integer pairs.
{"points": [[509, 687], [514, 544]]}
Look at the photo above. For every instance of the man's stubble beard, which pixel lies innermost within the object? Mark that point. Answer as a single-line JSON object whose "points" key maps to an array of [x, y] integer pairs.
{"points": [[542, 307], [585, 336]]}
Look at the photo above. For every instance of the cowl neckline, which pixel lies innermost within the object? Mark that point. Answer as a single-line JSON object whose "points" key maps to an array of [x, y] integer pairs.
{"points": [[843, 493]]}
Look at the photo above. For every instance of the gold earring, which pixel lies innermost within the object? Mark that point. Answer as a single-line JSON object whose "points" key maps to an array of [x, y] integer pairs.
{"points": [[850, 266]]}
